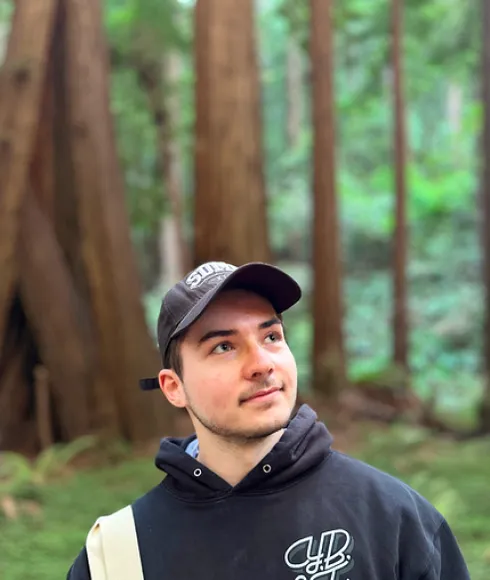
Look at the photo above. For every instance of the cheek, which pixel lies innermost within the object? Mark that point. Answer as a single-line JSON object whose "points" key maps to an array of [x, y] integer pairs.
{"points": [[287, 364], [211, 391]]}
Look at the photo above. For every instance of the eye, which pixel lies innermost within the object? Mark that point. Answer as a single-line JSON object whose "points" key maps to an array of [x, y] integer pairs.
{"points": [[221, 348], [273, 337]]}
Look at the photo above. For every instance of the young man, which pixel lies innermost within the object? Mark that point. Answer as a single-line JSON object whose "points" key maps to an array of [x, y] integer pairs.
{"points": [[256, 492]]}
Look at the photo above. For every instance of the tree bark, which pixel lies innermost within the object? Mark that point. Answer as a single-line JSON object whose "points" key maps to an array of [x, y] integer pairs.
{"points": [[21, 82], [177, 251], [44, 418], [155, 78], [78, 315], [126, 349], [294, 78], [328, 341], [230, 217], [41, 174], [52, 308], [485, 198], [400, 317], [67, 224]]}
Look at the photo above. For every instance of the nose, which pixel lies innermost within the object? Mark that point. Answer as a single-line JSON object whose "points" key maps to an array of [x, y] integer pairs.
{"points": [[259, 363]]}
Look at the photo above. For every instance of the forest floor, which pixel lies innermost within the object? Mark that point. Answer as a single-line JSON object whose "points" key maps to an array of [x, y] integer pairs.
{"points": [[46, 524]]}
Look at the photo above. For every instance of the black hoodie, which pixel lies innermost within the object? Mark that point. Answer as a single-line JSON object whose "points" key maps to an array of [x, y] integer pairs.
{"points": [[305, 512]]}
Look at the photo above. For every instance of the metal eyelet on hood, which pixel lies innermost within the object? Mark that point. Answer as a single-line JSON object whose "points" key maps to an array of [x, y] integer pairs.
{"points": [[305, 444]]}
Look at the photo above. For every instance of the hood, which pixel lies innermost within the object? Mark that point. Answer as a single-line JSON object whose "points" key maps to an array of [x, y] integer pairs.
{"points": [[305, 443]]}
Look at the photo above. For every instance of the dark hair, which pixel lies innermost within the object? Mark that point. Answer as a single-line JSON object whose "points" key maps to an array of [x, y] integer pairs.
{"points": [[173, 357]]}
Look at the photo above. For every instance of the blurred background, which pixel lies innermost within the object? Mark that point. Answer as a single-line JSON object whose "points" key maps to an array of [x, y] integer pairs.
{"points": [[347, 142]]}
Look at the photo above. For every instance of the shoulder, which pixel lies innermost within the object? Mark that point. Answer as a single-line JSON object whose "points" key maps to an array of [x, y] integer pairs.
{"points": [[141, 506], [153, 506], [424, 541], [80, 570], [385, 492]]}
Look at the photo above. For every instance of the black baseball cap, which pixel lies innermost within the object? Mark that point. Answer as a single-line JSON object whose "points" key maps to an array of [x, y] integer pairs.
{"points": [[187, 300]]}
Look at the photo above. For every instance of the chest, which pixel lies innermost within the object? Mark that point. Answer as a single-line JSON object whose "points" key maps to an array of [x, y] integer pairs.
{"points": [[241, 540]]}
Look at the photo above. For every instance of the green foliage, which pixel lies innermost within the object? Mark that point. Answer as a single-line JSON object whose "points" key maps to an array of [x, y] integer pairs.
{"points": [[446, 315], [17, 473], [141, 31], [440, 60], [143, 26], [6, 9], [53, 536], [137, 149]]}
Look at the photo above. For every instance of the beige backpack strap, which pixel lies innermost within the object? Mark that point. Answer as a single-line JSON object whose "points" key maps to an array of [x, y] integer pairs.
{"points": [[112, 548]]}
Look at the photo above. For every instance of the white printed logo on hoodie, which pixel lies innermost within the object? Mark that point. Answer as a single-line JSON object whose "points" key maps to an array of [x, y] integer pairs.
{"points": [[328, 557]]}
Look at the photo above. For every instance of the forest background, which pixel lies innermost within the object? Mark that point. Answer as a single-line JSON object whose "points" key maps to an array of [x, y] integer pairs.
{"points": [[410, 397]]}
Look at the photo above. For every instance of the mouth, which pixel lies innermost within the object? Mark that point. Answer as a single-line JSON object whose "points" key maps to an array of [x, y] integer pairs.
{"points": [[264, 394]]}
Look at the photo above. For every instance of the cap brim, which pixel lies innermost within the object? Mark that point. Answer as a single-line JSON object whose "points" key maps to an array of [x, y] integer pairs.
{"points": [[279, 288]]}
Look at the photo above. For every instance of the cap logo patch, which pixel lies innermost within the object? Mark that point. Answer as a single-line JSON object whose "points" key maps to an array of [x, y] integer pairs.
{"points": [[206, 272]]}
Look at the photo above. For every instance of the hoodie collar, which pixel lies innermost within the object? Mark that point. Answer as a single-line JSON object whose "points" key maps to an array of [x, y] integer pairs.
{"points": [[305, 443]]}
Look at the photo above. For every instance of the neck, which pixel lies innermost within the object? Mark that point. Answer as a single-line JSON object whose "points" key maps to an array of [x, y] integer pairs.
{"points": [[232, 461]]}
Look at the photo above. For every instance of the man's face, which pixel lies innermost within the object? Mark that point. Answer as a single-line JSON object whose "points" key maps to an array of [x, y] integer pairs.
{"points": [[239, 375]]}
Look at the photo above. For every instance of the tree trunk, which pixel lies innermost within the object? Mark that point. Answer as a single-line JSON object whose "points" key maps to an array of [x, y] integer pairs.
{"points": [[66, 220], [455, 107], [230, 217], [126, 349], [171, 262], [77, 341], [52, 308], [485, 188], [21, 82], [155, 78], [177, 250], [455, 102], [328, 344], [294, 77], [400, 318], [41, 174]]}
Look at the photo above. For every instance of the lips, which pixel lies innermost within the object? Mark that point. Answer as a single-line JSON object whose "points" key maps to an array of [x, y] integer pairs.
{"points": [[263, 394]]}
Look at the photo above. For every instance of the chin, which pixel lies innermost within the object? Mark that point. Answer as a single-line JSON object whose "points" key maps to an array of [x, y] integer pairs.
{"points": [[261, 432], [256, 421], [273, 420]]}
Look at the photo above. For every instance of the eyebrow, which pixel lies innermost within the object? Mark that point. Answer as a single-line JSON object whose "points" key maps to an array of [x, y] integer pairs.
{"points": [[231, 332]]}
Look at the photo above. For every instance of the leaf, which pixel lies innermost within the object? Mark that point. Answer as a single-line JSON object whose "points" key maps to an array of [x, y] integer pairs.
{"points": [[53, 459], [15, 471]]}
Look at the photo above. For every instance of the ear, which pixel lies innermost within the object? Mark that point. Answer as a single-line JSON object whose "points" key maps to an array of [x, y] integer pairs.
{"points": [[171, 386]]}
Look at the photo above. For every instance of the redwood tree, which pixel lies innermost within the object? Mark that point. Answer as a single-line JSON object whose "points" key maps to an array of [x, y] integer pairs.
{"points": [[71, 297], [21, 85], [230, 202], [156, 76], [400, 317], [328, 343], [485, 196], [294, 88]]}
